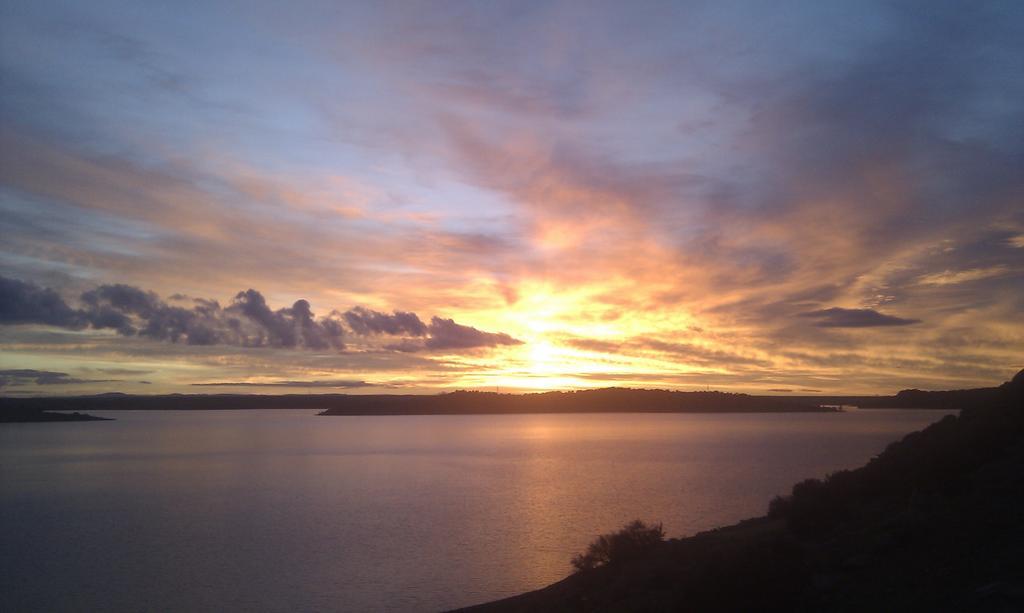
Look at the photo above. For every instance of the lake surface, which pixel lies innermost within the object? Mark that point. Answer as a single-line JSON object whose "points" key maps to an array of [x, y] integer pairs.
{"points": [[286, 511]]}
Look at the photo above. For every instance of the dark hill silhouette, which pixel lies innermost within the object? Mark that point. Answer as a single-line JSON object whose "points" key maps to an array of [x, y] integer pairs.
{"points": [[617, 400], [912, 399], [608, 400], [934, 523], [919, 399]]}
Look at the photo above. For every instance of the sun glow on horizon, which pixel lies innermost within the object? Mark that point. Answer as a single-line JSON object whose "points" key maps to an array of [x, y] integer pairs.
{"points": [[409, 200]]}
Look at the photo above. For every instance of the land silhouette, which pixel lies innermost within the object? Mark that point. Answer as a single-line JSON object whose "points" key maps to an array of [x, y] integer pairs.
{"points": [[606, 400], [635, 540], [609, 400], [26, 415], [934, 523]]}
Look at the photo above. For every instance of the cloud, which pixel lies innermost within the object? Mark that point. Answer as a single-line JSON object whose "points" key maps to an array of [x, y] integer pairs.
{"points": [[720, 175], [123, 298], [837, 317], [328, 383], [289, 327], [366, 322], [247, 322], [445, 334], [123, 371], [689, 353], [953, 277], [23, 376], [22, 303], [595, 345]]}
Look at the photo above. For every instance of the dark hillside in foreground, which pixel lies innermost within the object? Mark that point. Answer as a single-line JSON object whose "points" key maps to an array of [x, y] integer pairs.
{"points": [[616, 400], [934, 523]]}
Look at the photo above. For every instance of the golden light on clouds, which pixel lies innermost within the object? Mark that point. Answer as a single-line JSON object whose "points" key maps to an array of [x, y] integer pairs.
{"points": [[449, 208]]}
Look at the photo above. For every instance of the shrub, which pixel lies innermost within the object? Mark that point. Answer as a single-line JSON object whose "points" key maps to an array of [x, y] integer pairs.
{"points": [[632, 541]]}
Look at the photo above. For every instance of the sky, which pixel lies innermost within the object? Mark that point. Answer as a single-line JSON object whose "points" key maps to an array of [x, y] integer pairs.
{"points": [[412, 197]]}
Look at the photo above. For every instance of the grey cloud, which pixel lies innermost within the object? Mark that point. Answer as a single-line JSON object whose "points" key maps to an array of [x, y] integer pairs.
{"points": [[760, 308], [365, 322], [107, 317], [252, 304], [406, 346], [123, 298], [289, 327], [446, 334], [837, 317], [316, 336], [328, 383], [174, 323], [22, 303], [132, 311], [22, 376], [247, 322]]}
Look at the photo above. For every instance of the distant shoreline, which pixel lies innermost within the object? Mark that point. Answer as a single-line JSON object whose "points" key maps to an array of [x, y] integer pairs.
{"points": [[607, 400]]}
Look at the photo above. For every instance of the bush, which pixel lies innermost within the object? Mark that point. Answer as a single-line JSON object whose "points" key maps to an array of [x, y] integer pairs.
{"points": [[632, 541]]}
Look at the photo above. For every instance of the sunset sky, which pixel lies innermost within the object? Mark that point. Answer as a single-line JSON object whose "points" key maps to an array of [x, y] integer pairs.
{"points": [[367, 197]]}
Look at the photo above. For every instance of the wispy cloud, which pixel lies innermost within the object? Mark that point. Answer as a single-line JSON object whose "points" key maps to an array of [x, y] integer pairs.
{"points": [[538, 192], [837, 317], [319, 383], [22, 376], [953, 277]]}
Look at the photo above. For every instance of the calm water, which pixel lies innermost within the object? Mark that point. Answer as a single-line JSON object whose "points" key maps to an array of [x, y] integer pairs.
{"points": [[286, 511]]}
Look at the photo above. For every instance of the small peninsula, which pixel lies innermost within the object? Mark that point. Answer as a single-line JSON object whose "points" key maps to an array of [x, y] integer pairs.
{"points": [[36, 415]]}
